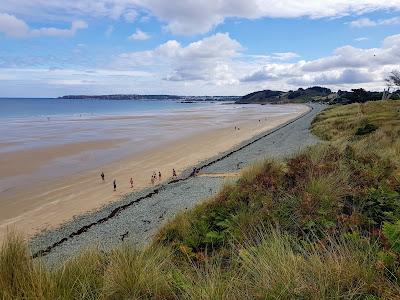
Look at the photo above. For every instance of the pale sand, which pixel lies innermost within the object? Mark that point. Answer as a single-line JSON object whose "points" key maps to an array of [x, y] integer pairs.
{"points": [[49, 204], [22, 162]]}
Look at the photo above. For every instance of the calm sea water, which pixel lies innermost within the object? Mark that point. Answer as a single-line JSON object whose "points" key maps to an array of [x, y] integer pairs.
{"points": [[28, 107], [30, 123]]}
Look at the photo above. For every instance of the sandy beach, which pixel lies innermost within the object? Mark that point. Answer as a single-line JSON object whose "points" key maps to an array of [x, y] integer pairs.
{"points": [[41, 204]]}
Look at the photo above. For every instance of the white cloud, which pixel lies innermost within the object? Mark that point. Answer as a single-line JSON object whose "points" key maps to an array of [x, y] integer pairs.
{"points": [[361, 39], [335, 77], [209, 60], [189, 17], [51, 31], [139, 35], [347, 67], [192, 17], [366, 22], [363, 22], [351, 57], [284, 56], [260, 75], [13, 27]]}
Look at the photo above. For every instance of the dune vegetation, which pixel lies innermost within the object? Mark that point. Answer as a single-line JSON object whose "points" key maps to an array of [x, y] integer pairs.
{"points": [[321, 224]]}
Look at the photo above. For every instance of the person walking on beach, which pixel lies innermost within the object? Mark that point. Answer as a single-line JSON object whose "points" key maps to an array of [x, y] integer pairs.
{"points": [[152, 179], [194, 172], [159, 176], [115, 185], [102, 176], [173, 173], [131, 181]]}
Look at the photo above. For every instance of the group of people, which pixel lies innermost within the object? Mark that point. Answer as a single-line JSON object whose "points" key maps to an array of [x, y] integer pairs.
{"points": [[153, 178], [103, 178]]}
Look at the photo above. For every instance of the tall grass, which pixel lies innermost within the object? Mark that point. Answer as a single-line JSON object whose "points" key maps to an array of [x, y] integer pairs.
{"points": [[20, 277], [281, 268], [81, 277], [124, 273], [135, 274], [274, 266]]}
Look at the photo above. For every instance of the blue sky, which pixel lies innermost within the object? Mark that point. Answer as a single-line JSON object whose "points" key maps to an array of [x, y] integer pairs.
{"points": [[208, 47]]}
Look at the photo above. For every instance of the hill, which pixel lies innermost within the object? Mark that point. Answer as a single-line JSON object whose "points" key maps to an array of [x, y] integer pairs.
{"points": [[315, 93]]}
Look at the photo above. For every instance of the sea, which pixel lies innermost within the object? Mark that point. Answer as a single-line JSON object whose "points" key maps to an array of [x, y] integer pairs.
{"points": [[54, 107], [27, 123]]}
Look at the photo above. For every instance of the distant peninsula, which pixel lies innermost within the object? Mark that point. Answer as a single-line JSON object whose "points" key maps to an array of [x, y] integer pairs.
{"points": [[151, 97]]}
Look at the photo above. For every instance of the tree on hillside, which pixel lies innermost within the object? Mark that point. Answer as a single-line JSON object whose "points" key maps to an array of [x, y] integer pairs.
{"points": [[394, 78]]}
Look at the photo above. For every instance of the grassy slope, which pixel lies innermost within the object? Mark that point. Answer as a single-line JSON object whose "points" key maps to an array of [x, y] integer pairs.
{"points": [[323, 224]]}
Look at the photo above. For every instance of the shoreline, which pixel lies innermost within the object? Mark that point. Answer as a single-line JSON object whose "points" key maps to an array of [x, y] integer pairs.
{"points": [[140, 214], [69, 195]]}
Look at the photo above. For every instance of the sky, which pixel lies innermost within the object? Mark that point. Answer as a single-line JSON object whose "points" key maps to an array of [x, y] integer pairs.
{"points": [[50, 48]]}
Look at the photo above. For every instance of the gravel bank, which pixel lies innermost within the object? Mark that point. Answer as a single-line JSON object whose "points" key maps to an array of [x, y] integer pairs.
{"points": [[139, 215]]}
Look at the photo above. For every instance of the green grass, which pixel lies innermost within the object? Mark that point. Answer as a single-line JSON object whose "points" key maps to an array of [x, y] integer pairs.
{"points": [[321, 224]]}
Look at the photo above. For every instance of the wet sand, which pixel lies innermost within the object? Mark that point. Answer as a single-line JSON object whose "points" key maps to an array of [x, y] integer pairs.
{"points": [[46, 204]]}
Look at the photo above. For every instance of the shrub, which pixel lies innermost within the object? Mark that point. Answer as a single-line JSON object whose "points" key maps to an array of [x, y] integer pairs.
{"points": [[392, 233], [380, 205], [367, 128]]}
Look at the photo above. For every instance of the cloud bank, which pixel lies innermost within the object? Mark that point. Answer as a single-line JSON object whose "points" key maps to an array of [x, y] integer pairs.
{"points": [[219, 60], [192, 17]]}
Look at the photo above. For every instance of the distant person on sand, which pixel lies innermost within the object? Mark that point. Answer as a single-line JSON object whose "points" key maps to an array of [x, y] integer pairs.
{"points": [[152, 179], [159, 176], [131, 181], [102, 176], [235, 127], [173, 173], [115, 185], [194, 172]]}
